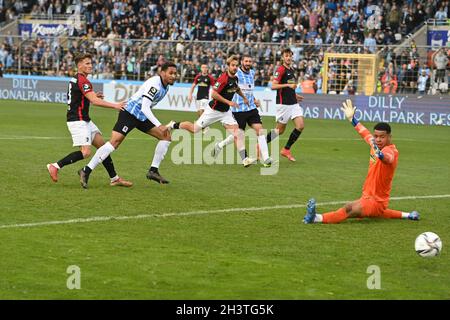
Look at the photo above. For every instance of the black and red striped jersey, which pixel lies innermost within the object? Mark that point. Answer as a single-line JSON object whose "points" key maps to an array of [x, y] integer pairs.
{"points": [[203, 83], [226, 86], [285, 95], [78, 104]]}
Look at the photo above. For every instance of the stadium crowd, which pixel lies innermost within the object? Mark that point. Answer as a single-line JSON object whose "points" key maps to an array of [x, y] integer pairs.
{"points": [[191, 33]]}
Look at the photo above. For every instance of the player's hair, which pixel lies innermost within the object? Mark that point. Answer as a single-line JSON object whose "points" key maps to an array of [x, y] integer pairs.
{"points": [[383, 126], [167, 65], [245, 55], [232, 58], [81, 56], [287, 50]]}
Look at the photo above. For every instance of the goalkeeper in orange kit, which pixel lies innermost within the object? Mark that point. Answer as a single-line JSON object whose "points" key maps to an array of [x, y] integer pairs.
{"points": [[377, 187]]}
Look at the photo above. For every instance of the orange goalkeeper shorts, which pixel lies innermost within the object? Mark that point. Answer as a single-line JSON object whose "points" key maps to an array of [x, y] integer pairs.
{"points": [[372, 208]]}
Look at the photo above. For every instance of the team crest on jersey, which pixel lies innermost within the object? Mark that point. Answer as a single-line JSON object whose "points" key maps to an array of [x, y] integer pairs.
{"points": [[86, 87], [152, 92]]}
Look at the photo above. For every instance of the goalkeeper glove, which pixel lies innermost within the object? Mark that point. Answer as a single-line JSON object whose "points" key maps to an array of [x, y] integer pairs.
{"points": [[349, 111], [377, 150]]}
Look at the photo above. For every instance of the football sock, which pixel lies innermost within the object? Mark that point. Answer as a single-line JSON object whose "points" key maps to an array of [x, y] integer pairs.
{"points": [[243, 154], [160, 152], [335, 216], [392, 214], [102, 153], [69, 159], [263, 147], [109, 166], [226, 141], [271, 136], [292, 138]]}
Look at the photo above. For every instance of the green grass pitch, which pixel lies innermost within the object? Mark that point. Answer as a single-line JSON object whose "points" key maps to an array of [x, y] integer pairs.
{"points": [[256, 252]]}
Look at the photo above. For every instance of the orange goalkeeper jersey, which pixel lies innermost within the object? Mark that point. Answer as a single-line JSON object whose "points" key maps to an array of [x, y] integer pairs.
{"points": [[379, 177]]}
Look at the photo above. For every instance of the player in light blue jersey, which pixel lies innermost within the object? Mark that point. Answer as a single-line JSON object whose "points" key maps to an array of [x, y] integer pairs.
{"points": [[138, 114], [247, 113]]}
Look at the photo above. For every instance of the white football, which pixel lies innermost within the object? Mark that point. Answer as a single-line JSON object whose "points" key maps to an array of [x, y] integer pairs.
{"points": [[428, 244]]}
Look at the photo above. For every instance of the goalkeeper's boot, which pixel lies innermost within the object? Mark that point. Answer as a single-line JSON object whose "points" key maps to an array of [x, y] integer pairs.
{"points": [[310, 211], [287, 153], [414, 215], [53, 171]]}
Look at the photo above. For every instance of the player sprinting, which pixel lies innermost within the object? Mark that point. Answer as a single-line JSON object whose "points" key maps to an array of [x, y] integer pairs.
{"points": [[222, 99], [203, 81], [377, 187], [138, 114], [84, 132], [247, 113], [287, 101]]}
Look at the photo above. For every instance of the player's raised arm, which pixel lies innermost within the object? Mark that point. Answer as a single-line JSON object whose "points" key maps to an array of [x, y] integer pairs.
{"points": [[349, 111], [94, 99]]}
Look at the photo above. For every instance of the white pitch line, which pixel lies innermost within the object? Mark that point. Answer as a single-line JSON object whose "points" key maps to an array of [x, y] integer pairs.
{"points": [[191, 213], [280, 138]]}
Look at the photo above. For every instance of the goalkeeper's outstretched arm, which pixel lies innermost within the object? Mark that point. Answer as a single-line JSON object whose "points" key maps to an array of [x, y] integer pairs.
{"points": [[349, 111]]}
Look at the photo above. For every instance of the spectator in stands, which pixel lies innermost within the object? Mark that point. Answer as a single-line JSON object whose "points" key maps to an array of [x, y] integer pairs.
{"points": [[422, 82], [308, 85], [440, 61], [389, 80]]}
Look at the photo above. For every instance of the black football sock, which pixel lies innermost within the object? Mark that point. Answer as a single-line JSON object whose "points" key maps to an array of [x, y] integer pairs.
{"points": [[87, 170], [154, 169], [271, 135], [292, 138], [70, 158], [243, 154], [109, 166]]}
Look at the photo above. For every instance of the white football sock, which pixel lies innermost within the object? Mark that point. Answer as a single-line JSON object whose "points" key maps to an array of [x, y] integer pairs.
{"points": [[102, 153], [405, 215], [160, 152], [263, 147], [227, 141], [318, 218]]}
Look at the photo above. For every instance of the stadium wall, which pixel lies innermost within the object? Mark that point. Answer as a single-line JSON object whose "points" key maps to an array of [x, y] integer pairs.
{"points": [[409, 109]]}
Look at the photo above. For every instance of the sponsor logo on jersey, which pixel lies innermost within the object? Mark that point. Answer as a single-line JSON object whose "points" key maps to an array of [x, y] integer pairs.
{"points": [[86, 87], [152, 92]]}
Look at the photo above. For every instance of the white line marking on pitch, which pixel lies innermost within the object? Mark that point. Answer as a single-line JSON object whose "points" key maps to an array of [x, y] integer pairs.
{"points": [[191, 213], [282, 138]]}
